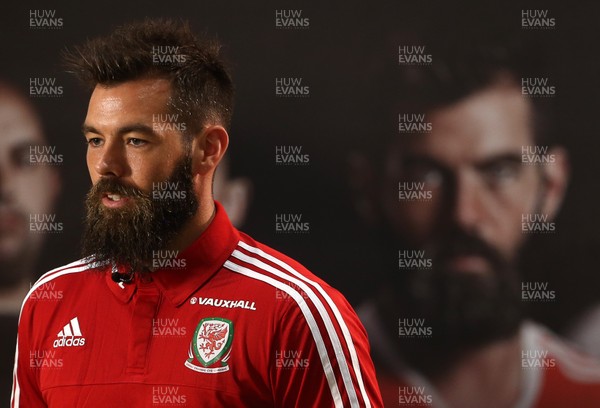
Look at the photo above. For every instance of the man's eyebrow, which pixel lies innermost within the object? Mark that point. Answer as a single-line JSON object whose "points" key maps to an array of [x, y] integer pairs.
{"points": [[132, 128], [508, 157], [511, 157], [85, 129], [422, 158]]}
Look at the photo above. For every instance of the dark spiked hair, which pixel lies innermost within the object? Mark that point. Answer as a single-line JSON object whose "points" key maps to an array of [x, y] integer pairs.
{"points": [[202, 89]]}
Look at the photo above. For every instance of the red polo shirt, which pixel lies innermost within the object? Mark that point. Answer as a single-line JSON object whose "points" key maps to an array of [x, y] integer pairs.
{"points": [[228, 322]]}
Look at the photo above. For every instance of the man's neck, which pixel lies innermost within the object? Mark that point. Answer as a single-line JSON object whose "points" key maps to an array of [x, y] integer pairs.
{"points": [[489, 377], [196, 226]]}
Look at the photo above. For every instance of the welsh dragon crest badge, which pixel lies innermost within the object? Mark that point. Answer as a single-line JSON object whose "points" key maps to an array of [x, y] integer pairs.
{"points": [[211, 346]]}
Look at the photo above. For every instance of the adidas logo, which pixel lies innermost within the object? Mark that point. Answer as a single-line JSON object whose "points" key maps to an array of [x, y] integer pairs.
{"points": [[70, 335]]}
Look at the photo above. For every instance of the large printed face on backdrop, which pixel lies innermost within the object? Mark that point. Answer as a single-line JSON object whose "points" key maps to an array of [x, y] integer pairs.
{"points": [[143, 192], [27, 188], [471, 162], [477, 189]]}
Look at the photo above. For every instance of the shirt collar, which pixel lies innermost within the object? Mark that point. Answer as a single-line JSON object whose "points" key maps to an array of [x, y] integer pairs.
{"points": [[197, 263], [200, 261]]}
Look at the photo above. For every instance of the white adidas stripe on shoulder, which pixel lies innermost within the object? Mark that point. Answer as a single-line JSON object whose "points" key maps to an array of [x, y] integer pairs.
{"points": [[300, 282], [312, 324], [79, 262], [339, 353], [334, 308], [74, 267]]}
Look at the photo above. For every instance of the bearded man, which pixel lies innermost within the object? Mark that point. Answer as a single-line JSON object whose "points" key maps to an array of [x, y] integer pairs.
{"points": [[171, 304], [455, 191]]}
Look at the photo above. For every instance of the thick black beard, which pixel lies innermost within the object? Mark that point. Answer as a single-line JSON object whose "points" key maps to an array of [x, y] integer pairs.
{"points": [[129, 236], [465, 311]]}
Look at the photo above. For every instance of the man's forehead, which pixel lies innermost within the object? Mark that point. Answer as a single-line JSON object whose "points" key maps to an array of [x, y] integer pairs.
{"points": [[491, 122], [132, 100], [146, 89]]}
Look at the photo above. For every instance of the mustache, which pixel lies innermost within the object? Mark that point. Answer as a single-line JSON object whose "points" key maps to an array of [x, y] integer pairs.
{"points": [[114, 186], [129, 235], [462, 243]]}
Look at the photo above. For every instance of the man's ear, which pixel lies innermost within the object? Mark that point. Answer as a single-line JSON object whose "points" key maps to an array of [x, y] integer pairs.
{"points": [[555, 180], [208, 148]]}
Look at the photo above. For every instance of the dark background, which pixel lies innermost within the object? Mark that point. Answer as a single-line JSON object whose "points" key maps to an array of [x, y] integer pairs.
{"points": [[340, 56]]}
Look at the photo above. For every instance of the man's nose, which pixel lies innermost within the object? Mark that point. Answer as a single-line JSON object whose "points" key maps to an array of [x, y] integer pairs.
{"points": [[468, 207], [111, 161]]}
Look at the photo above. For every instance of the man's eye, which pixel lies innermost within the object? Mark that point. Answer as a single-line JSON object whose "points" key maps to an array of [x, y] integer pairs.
{"points": [[430, 175], [20, 157], [502, 172], [94, 141], [136, 142]]}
